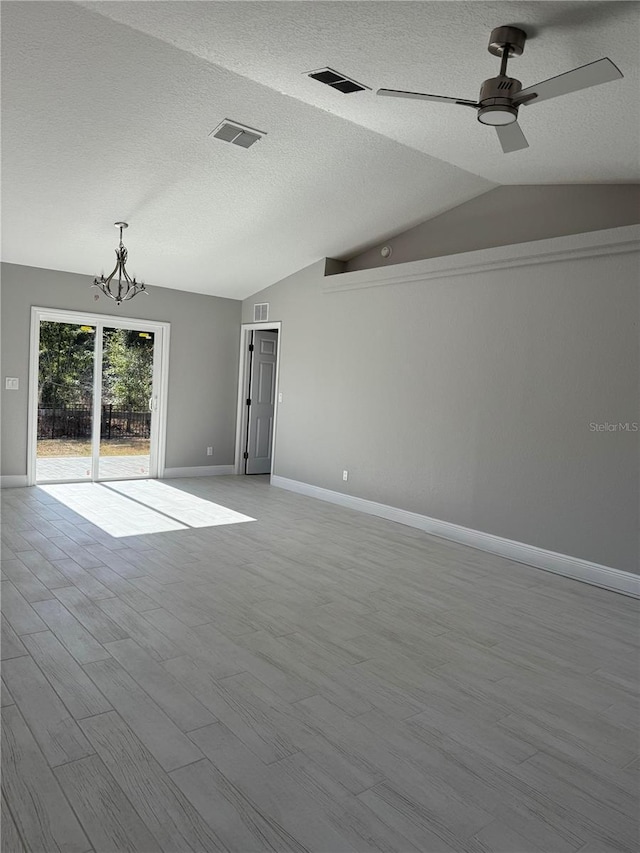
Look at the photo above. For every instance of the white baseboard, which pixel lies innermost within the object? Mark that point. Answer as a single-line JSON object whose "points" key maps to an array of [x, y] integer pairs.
{"points": [[13, 481], [198, 471], [560, 564]]}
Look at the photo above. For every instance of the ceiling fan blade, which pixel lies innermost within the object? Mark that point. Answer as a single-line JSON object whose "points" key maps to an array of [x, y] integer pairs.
{"points": [[511, 137], [398, 93], [593, 74]]}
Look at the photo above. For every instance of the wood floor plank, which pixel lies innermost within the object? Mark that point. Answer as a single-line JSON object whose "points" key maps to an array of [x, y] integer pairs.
{"points": [[413, 821], [470, 731], [11, 645], [41, 812], [18, 612], [376, 691], [140, 629], [81, 579], [166, 742], [604, 808], [237, 821], [401, 762], [310, 670], [228, 612], [114, 561], [165, 811], [598, 846], [107, 816], [6, 553], [39, 542], [200, 648], [76, 639], [25, 581], [180, 705], [289, 685], [66, 526], [66, 676], [43, 569], [268, 736], [77, 553], [270, 789], [359, 825], [87, 612], [14, 542], [534, 827], [592, 734], [57, 733], [124, 589], [5, 695], [173, 599], [10, 841]]}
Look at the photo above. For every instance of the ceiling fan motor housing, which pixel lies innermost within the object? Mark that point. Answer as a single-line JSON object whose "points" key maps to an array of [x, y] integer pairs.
{"points": [[507, 39], [496, 100]]}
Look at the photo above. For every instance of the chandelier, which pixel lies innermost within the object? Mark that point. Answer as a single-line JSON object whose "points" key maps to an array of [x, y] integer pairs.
{"points": [[124, 287]]}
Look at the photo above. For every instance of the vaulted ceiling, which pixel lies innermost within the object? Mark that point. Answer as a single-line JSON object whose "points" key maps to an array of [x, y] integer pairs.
{"points": [[107, 109]]}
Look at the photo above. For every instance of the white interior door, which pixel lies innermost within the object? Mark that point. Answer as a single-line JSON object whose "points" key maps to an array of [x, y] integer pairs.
{"points": [[261, 402]]}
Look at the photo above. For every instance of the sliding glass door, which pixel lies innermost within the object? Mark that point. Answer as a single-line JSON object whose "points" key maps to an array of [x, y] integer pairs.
{"points": [[97, 399], [65, 401], [127, 403]]}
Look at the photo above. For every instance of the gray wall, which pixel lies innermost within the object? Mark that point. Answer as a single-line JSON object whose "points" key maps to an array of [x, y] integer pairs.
{"points": [[202, 371], [469, 399], [510, 214]]}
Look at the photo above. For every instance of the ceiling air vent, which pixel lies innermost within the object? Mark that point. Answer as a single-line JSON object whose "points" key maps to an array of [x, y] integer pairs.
{"points": [[337, 81], [237, 134], [260, 312]]}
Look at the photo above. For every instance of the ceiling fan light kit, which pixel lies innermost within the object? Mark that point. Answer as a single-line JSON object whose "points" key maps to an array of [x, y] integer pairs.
{"points": [[502, 96], [498, 114]]}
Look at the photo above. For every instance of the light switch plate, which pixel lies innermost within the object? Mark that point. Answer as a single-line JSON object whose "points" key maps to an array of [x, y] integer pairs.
{"points": [[11, 383]]}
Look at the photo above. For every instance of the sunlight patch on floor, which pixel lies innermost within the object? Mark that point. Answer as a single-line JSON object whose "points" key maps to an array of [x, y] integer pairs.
{"points": [[135, 507], [183, 506]]}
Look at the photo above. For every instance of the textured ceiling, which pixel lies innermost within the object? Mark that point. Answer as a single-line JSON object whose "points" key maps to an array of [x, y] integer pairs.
{"points": [[107, 108]]}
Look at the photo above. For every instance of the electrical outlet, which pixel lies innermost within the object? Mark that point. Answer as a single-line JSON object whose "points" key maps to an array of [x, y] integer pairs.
{"points": [[345, 475], [209, 451]]}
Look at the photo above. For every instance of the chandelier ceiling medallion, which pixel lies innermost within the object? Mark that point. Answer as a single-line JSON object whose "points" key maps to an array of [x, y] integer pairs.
{"points": [[124, 287]]}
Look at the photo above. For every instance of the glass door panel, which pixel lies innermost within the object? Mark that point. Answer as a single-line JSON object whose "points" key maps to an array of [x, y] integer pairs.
{"points": [[127, 402], [65, 401]]}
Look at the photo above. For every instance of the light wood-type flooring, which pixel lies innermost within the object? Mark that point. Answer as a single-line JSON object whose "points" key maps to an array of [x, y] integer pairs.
{"points": [[313, 680]]}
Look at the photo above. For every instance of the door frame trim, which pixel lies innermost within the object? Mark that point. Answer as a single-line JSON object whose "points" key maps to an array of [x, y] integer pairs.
{"points": [[160, 328], [245, 328]]}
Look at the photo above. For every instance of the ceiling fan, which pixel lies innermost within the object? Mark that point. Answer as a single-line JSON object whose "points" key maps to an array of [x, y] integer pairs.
{"points": [[501, 96]]}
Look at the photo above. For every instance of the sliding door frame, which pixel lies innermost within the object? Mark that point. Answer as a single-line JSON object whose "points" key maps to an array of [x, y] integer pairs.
{"points": [[161, 332]]}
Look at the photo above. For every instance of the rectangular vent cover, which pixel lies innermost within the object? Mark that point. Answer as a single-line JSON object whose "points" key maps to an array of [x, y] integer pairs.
{"points": [[337, 81], [260, 312], [236, 133]]}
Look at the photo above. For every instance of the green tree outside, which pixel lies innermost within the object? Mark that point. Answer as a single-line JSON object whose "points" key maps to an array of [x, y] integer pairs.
{"points": [[127, 369], [65, 367]]}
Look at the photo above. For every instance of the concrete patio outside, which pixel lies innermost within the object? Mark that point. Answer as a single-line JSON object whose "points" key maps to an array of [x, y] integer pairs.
{"points": [[59, 468]]}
